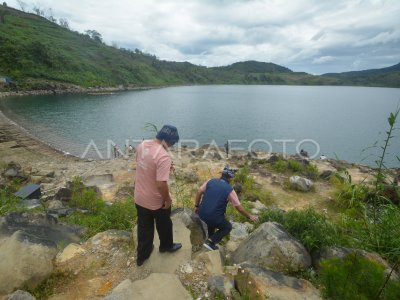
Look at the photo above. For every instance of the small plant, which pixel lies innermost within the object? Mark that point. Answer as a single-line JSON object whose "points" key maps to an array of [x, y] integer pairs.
{"points": [[355, 277], [292, 166], [49, 286], [84, 197]]}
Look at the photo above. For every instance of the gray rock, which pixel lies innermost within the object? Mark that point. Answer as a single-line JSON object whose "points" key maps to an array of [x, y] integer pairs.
{"points": [[326, 175], [63, 194], [220, 286], [156, 286], [198, 229], [270, 246], [23, 263], [60, 212], [10, 173], [39, 229], [261, 283], [300, 183], [31, 203], [19, 295], [55, 204]]}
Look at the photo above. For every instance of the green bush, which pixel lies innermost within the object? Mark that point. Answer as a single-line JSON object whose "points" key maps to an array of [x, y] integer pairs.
{"points": [[84, 197], [292, 166], [356, 277], [8, 202], [312, 229]]}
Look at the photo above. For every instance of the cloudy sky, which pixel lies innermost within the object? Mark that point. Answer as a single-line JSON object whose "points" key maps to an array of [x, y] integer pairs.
{"points": [[315, 36]]}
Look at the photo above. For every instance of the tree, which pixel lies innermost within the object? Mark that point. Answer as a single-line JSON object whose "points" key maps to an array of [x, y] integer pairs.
{"points": [[38, 11], [5, 4], [64, 23], [22, 5], [93, 34]]}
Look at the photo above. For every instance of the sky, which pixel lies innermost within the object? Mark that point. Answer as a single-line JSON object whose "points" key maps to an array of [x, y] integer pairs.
{"points": [[313, 36]]}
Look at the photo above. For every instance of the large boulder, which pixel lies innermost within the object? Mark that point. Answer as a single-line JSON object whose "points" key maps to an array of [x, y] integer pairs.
{"points": [[220, 286], [270, 246], [19, 295], [343, 252], [260, 283], [239, 232], [301, 183], [23, 263], [198, 229], [156, 286]]}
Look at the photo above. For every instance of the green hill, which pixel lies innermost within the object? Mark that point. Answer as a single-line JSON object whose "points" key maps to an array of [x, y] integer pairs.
{"points": [[40, 54]]}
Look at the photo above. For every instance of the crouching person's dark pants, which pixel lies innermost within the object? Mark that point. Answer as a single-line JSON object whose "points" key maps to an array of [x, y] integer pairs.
{"points": [[145, 230], [223, 228]]}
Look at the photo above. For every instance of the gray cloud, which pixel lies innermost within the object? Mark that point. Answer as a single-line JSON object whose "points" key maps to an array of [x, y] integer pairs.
{"points": [[303, 35]]}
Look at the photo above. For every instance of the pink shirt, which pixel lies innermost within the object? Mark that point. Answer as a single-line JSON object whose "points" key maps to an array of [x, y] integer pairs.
{"points": [[232, 197], [153, 164]]}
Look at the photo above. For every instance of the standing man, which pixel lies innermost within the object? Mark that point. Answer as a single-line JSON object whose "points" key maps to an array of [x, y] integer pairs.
{"points": [[152, 198], [217, 192]]}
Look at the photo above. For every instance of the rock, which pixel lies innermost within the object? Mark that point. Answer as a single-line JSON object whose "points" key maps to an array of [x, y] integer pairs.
{"points": [[220, 286], [64, 194], [198, 152], [342, 252], [71, 251], [192, 221], [156, 286], [19, 295], [258, 205], [23, 263], [326, 175], [273, 159], [39, 229], [270, 246], [217, 155], [186, 268], [300, 183], [212, 261], [10, 173], [31, 203], [46, 173], [60, 212], [110, 238], [13, 171], [98, 180], [260, 283], [55, 204], [239, 232]]}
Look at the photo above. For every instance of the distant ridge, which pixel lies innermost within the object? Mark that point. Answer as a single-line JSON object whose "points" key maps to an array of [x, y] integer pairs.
{"points": [[40, 54]]}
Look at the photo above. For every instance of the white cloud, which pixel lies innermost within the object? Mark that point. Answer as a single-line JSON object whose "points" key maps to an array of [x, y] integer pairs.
{"points": [[303, 35]]}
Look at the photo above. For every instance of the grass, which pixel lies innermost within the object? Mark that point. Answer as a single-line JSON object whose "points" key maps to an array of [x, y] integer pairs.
{"points": [[294, 167], [100, 217], [48, 287]]}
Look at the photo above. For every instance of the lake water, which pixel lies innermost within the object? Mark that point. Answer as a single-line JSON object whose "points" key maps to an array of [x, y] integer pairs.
{"points": [[338, 121]]}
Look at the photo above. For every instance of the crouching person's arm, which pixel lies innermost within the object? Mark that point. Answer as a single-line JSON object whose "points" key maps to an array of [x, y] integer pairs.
{"points": [[200, 193], [251, 217]]}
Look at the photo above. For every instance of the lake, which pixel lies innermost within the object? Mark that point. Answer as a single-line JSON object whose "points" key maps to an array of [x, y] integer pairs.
{"points": [[338, 122]]}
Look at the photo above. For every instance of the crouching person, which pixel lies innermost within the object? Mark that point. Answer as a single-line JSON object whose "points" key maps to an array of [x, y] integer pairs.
{"points": [[211, 201]]}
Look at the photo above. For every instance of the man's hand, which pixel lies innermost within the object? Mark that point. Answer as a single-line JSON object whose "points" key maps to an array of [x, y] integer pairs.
{"points": [[167, 204], [253, 218]]}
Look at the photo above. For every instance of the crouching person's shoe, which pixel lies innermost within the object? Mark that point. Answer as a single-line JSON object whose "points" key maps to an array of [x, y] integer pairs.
{"points": [[210, 245], [173, 248]]}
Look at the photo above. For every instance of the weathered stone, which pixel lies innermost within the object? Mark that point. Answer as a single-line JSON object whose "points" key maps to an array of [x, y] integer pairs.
{"points": [[300, 183], [258, 205], [110, 238], [23, 263], [326, 175], [125, 191], [220, 286], [156, 286], [212, 261], [260, 283], [192, 221], [60, 212], [63, 194], [19, 295], [343, 252], [39, 229], [31, 203], [55, 204], [270, 246], [239, 232], [69, 252]]}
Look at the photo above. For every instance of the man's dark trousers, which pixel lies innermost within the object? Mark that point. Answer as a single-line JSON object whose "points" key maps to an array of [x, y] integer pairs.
{"points": [[145, 230], [224, 227]]}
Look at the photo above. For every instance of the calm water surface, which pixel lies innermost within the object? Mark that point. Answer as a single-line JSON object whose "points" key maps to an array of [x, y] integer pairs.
{"points": [[342, 120]]}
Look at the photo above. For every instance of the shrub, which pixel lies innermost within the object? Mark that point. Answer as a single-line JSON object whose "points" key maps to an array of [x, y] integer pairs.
{"points": [[292, 166], [312, 229], [85, 197], [8, 202], [356, 277]]}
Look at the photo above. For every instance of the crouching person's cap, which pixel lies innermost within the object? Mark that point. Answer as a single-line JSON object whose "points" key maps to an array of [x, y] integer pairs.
{"points": [[169, 134]]}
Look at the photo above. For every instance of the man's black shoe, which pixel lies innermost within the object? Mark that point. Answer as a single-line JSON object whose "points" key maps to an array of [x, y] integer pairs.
{"points": [[173, 248], [140, 262]]}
